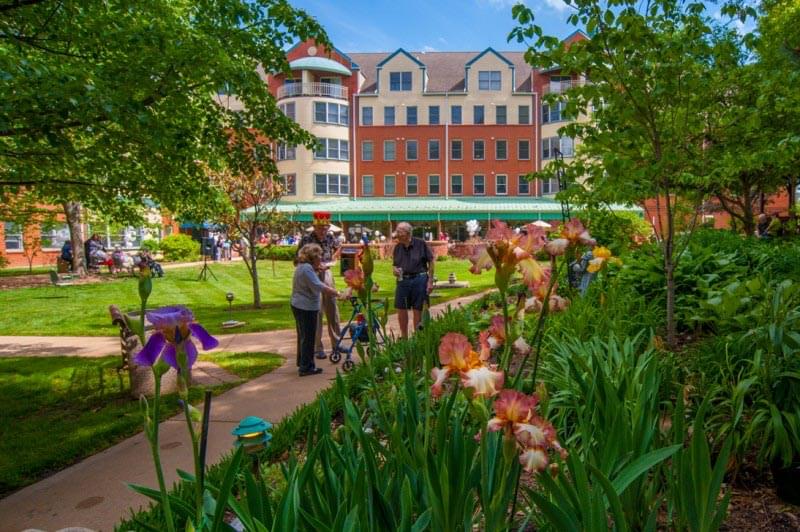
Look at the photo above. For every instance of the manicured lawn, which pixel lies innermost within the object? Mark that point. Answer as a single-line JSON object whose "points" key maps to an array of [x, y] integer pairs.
{"points": [[59, 410], [11, 272], [82, 310]]}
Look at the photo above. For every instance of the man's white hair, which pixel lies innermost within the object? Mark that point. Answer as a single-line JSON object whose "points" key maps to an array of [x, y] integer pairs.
{"points": [[405, 227]]}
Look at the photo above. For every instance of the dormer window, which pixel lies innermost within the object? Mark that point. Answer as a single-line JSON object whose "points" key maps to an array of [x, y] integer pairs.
{"points": [[400, 81], [489, 80]]}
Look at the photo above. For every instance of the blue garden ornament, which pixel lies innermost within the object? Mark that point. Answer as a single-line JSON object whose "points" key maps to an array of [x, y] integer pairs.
{"points": [[252, 433]]}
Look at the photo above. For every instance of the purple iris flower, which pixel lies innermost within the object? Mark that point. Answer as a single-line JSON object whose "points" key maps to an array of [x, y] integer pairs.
{"points": [[174, 328]]}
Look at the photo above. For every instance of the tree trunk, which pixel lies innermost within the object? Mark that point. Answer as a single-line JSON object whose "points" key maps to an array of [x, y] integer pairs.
{"points": [[669, 269], [748, 218], [72, 210], [254, 276], [792, 195]]}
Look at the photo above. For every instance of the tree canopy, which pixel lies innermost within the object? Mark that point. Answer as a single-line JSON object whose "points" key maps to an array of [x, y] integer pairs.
{"points": [[122, 98]]}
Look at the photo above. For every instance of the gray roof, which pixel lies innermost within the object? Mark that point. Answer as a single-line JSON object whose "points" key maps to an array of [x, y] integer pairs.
{"points": [[445, 69]]}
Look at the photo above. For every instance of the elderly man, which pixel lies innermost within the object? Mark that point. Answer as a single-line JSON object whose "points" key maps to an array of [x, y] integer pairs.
{"points": [[330, 253], [413, 267]]}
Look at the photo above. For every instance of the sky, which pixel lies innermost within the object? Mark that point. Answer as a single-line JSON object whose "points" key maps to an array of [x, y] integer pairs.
{"points": [[429, 25], [435, 25]]}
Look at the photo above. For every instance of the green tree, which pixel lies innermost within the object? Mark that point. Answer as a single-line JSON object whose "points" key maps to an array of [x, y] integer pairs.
{"points": [[648, 64], [103, 102], [751, 142]]}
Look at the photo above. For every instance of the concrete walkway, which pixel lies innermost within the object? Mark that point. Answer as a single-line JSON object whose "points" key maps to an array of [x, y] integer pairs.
{"points": [[93, 493]]}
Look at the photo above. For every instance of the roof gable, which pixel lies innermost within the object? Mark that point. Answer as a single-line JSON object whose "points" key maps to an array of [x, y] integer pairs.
{"points": [[402, 52], [489, 50]]}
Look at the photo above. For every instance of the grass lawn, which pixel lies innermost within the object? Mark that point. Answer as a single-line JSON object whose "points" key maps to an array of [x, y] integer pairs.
{"points": [[82, 310], [12, 272], [59, 410]]}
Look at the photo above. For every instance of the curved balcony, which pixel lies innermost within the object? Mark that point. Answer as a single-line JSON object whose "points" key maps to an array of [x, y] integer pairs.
{"points": [[560, 87], [326, 90]]}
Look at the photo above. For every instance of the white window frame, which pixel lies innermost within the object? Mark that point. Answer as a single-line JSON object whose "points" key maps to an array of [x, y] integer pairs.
{"points": [[385, 115], [364, 113], [367, 179], [393, 144], [475, 184], [289, 182], [490, 80], [403, 83], [409, 143], [483, 149], [438, 149], [438, 181], [461, 149], [335, 113], [520, 142], [497, 180], [497, 144], [522, 181], [416, 115], [409, 179], [393, 179], [459, 181], [342, 182]]}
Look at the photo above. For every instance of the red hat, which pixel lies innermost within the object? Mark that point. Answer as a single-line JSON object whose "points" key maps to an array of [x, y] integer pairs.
{"points": [[321, 218]]}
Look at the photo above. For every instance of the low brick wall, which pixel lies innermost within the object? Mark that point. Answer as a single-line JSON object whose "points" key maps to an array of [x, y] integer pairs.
{"points": [[385, 250], [463, 250]]}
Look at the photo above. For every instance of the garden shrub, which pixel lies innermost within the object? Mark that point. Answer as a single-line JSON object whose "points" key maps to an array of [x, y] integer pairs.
{"points": [[617, 230], [3, 261], [276, 252], [150, 244], [180, 247]]}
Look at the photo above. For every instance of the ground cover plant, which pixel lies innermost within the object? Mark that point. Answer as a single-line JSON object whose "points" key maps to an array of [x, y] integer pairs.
{"points": [[81, 310], [59, 410]]}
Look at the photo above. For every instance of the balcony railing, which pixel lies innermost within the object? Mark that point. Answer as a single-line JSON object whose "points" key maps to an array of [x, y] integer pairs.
{"points": [[560, 87], [327, 90]]}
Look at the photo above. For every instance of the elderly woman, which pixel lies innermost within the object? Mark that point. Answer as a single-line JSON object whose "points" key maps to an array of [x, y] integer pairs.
{"points": [[306, 298]]}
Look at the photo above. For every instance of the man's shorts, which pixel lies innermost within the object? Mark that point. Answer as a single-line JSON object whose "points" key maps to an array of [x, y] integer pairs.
{"points": [[411, 293]]}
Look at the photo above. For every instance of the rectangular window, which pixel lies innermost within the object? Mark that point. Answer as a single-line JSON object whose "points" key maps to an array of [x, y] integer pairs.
{"points": [[53, 235], [553, 113], [331, 185], [389, 185], [411, 150], [550, 145], [523, 185], [567, 146], [433, 185], [287, 152], [411, 115], [455, 114], [524, 114], [456, 185], [289, 182], [433, 115], [331, 113], [389, 150], [367, 149], [388, 116], [489, 80], [366, 116], [367, 185], [456, 150], [433, 150], [412, 185], [501, 150], [523, 149], [478, 150], [478, 185], [501, 185], [477, 114], [501, 115], [288, 109], [548, 186], [400, 81], [332, 149]]}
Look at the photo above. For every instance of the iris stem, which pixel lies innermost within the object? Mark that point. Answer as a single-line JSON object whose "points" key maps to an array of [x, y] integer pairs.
{"points": [[156, 455], [195, 451]]}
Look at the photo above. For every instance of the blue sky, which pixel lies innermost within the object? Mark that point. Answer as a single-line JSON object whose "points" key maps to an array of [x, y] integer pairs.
{"points": [[429, 25], [433, 25]]}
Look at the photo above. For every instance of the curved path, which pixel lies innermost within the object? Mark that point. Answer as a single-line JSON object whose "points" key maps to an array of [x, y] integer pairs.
{"points": [[93, 494]]}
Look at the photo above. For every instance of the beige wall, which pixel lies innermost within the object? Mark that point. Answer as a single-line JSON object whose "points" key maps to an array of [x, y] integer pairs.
{"points": [[305, 166]]}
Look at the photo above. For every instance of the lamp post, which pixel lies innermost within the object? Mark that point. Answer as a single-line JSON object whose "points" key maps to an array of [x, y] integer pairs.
{"points": [[229, 298], [253, 435]]}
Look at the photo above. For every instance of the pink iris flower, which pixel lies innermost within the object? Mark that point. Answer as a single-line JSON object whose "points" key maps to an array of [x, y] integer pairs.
{"points": [[174, 327]]}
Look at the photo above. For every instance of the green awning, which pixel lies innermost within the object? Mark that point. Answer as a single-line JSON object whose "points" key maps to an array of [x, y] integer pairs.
{"points": [[319, 63], [430, 209]]}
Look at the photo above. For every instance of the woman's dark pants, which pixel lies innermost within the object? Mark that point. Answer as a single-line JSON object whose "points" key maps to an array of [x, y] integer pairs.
{"points": [[306, 322]]}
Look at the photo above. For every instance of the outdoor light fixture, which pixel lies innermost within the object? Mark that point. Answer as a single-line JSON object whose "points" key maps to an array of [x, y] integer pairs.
{"points": [[229, 297], [451, 278], [252, 434]]}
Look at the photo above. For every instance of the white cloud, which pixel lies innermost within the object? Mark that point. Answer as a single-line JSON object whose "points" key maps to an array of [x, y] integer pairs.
{"points": [[556, 5], [500, 4], [428, 48]]}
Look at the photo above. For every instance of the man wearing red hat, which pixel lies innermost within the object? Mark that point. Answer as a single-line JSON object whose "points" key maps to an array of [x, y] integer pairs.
{"points": [[320, 235]]}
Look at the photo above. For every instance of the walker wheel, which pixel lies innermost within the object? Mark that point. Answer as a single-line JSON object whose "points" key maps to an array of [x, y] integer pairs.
{"points": [[347, 365], [335, 356]]}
